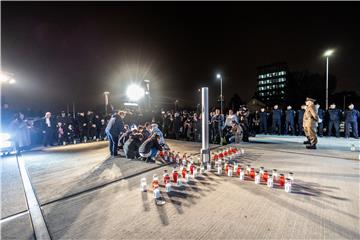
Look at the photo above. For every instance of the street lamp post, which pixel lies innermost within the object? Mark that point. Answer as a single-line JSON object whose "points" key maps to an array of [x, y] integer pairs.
{"points": [[147, 93], [218, 76], [106, 101], [327, 54]]}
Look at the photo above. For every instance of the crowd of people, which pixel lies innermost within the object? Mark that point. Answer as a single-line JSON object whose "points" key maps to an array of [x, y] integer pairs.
{"points": [[231, 127]]}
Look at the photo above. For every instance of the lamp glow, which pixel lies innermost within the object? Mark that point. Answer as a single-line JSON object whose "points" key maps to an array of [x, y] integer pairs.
{"points": [[328, 53], [135, 92], [218, 76]]}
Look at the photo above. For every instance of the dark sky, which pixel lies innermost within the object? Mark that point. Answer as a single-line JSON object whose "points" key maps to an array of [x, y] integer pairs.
{"points": [[64, 52]]}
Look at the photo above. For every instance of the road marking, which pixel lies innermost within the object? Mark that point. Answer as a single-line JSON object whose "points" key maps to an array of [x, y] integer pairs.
{"points": [[40, 229]]}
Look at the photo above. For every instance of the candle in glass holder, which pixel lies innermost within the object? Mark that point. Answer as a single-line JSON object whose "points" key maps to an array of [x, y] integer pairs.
{"points": [[208, 166], [242, 151], [275, 174], [291, 176], [187, 177], [168, 187], [143, 185], [238, 170], [155, 181], [282, 180], [248, 169], [183, 172], [261, 171], [242, 174], [175, 175], [230, 172], [179, 181], [265, 176], [270, 181], [257, 178], [219, 170], [288, 185], [252, 172]]}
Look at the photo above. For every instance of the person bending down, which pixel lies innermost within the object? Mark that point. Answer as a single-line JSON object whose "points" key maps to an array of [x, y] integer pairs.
{"points": [[150, 147]]}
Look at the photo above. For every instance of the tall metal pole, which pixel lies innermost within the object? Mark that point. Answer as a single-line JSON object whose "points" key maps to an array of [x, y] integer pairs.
{"points": [[73, 110], [327, 84], [221, 97], [205, 151]]}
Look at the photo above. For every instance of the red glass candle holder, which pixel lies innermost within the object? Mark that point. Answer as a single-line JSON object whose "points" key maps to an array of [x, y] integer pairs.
{"points": [[252, 172], [282, 180], [238, 170], [183, 173], [265, 176], [175, 176]]}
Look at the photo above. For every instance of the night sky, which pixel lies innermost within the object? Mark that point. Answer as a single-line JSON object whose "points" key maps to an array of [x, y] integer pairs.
{"points": [[64, 52]]}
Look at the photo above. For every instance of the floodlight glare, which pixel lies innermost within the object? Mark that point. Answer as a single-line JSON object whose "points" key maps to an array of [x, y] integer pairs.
{"points": [[218, 76], [135, 92], [328, 53]]}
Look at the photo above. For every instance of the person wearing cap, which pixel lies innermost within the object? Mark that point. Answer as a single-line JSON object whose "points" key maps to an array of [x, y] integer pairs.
{"points": [[276, 120], [114, 129], [310, 123], [289, 120], [300, 116], [334, 121], [263, 121], [321, 114], [351, 120]]}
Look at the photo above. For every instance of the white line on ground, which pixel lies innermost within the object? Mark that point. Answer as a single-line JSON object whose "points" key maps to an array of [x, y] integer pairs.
{"points": [[40, 229]]}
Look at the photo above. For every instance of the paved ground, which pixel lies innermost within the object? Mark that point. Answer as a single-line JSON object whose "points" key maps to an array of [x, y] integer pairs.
{"points": [[82, 197]]}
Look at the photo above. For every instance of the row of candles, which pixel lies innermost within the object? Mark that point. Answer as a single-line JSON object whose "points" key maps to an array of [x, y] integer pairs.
{"points": [[221, 162]]}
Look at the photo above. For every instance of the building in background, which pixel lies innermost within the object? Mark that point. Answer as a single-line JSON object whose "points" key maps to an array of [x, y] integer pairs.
{"points": [[271, 83]]}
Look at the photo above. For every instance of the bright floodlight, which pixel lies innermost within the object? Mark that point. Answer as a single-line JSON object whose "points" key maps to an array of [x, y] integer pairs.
{"points": [[135, 92], [218, 76], [328, 53], [12, 81]]}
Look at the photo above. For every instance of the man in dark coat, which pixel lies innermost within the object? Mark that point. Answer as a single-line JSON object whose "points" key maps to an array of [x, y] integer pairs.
{"points": [[48, 130], [113, 130], [351, 120], [321, 114], [334, 120], [289, 120], [132, 145], [150, 147], [276, 120], [300, 118], [263, 120]]}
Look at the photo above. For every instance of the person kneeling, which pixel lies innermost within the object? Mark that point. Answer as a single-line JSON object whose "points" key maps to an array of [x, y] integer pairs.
{"points": [[132, 145], [148, 149]]}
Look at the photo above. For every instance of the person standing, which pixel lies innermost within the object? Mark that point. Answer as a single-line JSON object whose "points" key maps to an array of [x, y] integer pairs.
{"points": [[217, 125], [48, 130], [289, 120], [114, 129], [300, 114], [310, 123], [334, 122], [351, 119], [263, 121], [321, 114], [276, 120]]}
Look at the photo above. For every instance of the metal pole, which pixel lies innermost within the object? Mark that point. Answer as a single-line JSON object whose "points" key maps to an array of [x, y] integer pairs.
{"points": [[221, 97], [205, 151], [327, 84], [73, 110]]}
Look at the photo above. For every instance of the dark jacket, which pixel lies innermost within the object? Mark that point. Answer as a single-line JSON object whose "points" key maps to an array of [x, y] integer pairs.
{"points": [[351, 115], [115, 126], [334, 114], [290, 114], [132, 145], [148, 144], [276, 114]]}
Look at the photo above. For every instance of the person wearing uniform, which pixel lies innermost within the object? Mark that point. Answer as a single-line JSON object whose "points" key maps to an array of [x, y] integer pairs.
{"points": [[276, 120], [310, 123], [321, 114], [114, 129], [289, 120], [300, 114], [263, 120], [351, 119], [334, 122]]}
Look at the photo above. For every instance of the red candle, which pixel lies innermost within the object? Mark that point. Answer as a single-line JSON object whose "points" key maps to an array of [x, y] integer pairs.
{"points": [[166, 178], [175, 176], [221, 155], [183, 173], [216, 157], [252, 172], [226, 168], [192, 169], [265, 176], [282, 180], [238, 170]]}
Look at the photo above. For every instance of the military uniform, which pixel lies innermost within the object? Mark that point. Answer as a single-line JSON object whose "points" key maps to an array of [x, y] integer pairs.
{"points": [[334, 122], [351, 118], [263, 122], [321, 114], [289, 121], [276, 121], [310, 122], [300, 114]]}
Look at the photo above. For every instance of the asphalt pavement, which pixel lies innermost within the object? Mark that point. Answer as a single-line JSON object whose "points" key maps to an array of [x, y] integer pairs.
{"points": [[84, 194]]}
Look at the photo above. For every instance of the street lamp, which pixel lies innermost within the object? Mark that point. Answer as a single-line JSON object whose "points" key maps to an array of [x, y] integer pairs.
{"points": [[106, 94], [327, 54], [7, 78], [218, 76], [135, 92]]}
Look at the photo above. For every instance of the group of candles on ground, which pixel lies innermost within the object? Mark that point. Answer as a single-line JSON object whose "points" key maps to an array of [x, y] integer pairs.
{"points": [[224, 162]]}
